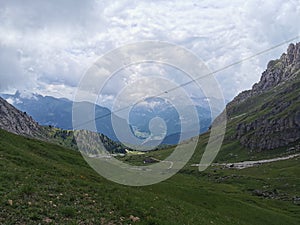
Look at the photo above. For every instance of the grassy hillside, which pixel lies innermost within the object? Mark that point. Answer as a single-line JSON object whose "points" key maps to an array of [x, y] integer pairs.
{"points": [[45, 183]]}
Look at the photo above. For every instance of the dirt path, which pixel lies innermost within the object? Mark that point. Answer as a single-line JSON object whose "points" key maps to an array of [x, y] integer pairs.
{"points": [[247, 164]]}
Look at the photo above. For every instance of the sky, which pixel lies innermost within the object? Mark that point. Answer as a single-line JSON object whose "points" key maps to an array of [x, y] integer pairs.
{"points": [[47, 46]]}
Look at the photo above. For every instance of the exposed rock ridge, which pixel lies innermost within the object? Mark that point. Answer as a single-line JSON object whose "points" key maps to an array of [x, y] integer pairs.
{"points": [[15, 121], [277, 72], [269, 113]]}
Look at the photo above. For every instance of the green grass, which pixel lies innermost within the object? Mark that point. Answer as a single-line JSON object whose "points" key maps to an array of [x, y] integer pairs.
{"points": [[138, 159], [51, 184]]}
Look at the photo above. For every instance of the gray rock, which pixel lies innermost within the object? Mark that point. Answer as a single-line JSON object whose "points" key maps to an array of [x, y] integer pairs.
{"points": [[272, 128], [15, 121]]}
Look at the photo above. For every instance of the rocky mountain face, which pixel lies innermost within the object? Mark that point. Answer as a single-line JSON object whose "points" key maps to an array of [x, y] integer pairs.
{"points": [[278, 72], [18, 122], [268, 116]]}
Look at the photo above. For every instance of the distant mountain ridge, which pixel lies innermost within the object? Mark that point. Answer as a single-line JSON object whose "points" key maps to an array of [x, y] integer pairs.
{"points": [[20, 123], [141, 115], [268, 116], [57, 112]]}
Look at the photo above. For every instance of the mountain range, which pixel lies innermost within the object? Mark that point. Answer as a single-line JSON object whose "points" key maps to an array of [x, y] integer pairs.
{"points": [[20, 123], [57, 112], [264, 118]]}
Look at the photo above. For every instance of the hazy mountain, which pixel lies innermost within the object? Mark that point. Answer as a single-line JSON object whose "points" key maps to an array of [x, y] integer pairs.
{"points": [[18, 122], [57, 112], [45, 110], [141, 116]]}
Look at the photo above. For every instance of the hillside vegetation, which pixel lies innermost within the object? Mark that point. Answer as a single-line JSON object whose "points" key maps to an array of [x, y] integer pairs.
{"points": [[44, 183]]}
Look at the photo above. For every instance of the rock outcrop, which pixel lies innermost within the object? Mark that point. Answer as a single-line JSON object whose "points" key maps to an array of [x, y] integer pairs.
{"points": [[271, 109], [278, 72], [15, 121]]}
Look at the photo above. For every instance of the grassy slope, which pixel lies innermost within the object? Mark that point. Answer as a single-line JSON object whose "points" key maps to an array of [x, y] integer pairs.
{"points": [[48, 181]]}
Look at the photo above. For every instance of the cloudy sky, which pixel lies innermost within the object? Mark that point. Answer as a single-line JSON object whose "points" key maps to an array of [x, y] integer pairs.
{"points": [[47, 46]]}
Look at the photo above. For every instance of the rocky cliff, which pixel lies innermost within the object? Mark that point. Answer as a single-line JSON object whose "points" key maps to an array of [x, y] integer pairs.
{"points": [[15, 121], [278, 72], [268, 116]]}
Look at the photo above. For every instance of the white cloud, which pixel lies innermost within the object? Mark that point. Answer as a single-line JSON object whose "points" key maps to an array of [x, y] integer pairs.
{"points": [[46, 46]]}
